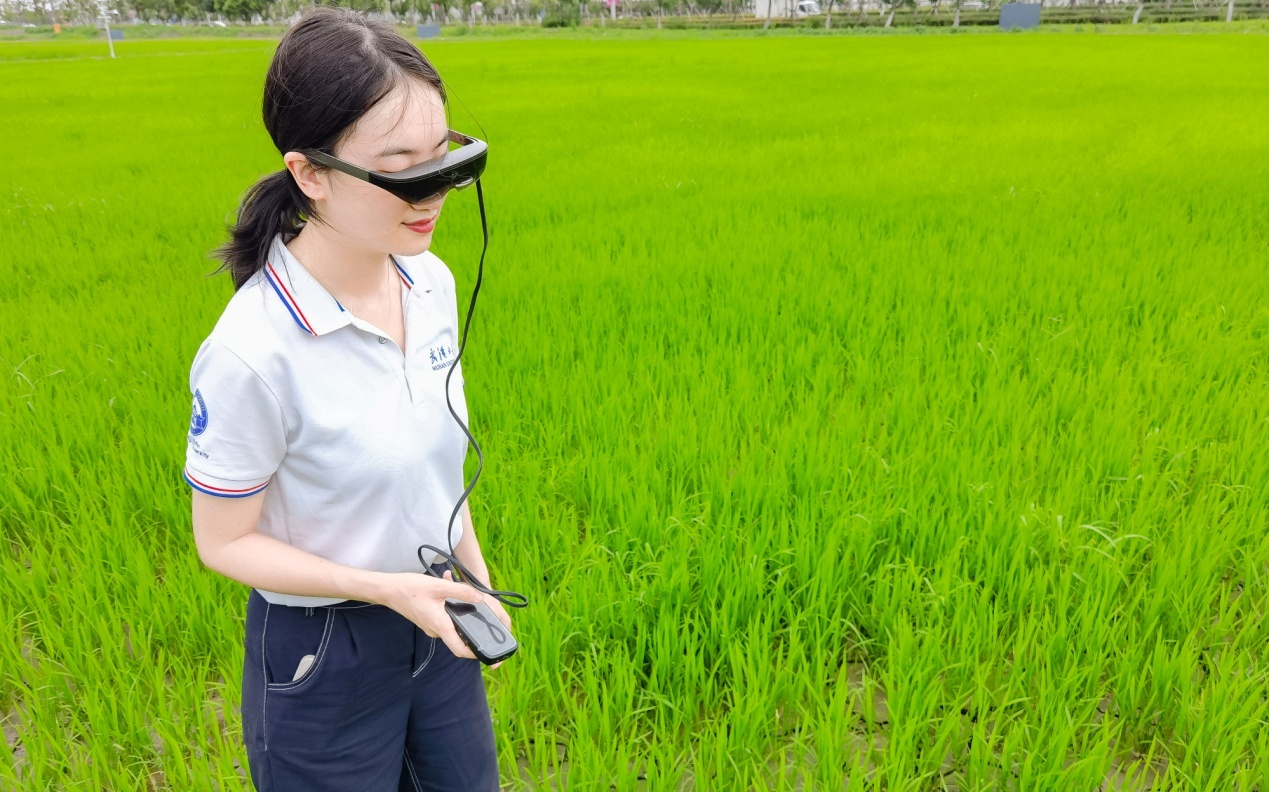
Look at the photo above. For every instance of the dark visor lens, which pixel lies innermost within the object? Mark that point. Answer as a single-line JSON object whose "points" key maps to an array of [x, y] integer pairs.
{"points": [[419, 183], [421, 188], [415, 191]]}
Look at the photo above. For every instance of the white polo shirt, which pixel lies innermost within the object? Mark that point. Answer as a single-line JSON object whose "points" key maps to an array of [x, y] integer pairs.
{"points": [[349, 438]]}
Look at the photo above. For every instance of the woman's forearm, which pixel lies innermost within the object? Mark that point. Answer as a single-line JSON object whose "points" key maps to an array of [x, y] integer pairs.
{"points": [[224, 532], [260, 561]]}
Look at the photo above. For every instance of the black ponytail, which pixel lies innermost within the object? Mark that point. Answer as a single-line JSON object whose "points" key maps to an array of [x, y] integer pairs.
{"points": [[333, 66], [273, 205]]}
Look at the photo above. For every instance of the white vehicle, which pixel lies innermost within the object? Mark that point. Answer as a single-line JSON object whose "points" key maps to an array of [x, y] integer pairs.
{"points": [[782, 9], [972, 5]]}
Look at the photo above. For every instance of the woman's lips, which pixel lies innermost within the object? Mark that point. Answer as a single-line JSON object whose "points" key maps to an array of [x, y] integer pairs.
{"points": [[424, 227]]}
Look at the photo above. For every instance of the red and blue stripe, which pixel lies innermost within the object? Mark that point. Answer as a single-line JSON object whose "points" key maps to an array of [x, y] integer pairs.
{"points": [[221, 492], [271, 275], [405, 276]]}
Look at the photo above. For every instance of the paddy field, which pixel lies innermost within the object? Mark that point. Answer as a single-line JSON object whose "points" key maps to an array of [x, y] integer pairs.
{"points": [[860, 411]]}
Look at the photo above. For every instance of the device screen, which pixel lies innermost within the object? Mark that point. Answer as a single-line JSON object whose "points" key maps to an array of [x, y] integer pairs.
{"points": [[481, 628]]}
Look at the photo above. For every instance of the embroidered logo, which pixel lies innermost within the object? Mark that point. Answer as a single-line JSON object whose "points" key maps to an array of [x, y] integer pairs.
{"points": [[198, 420], [441, 357]]}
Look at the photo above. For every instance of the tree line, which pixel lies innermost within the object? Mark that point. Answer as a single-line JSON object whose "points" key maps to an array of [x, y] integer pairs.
{"points": [[284, 12]]}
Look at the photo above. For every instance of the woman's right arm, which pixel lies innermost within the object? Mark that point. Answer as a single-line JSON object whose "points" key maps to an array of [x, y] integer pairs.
{"points": [[228, 543]]}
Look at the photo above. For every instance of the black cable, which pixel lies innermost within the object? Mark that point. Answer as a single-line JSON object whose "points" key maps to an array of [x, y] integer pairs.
{"points": [[512, 598]]}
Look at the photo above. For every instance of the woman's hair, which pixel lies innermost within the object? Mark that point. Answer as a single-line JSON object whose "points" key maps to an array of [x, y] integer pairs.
{"points": [[329, 69]]}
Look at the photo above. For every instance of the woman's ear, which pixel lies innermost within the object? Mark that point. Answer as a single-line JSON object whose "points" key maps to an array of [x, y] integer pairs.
{"points": [[310, 182]]}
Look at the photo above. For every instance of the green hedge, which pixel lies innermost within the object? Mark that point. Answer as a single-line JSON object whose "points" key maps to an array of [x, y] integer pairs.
{"points": [[562, 14]]}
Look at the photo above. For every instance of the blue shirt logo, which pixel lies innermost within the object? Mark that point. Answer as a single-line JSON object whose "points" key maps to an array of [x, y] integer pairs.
{"points": [[198, 421], [441, 357]]}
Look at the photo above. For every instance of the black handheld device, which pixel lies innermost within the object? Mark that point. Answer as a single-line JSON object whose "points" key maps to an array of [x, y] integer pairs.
{"points": [[480, 629], [476, 623]]}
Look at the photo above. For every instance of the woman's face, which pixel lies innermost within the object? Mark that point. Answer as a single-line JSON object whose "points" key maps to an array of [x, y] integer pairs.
{"points": [[406, 127]]}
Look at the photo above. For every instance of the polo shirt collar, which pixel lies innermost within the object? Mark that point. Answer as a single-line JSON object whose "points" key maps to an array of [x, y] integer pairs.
{"points": [[313, 308]]}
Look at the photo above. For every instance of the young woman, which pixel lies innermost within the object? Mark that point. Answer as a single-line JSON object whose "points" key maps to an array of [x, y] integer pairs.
{"points": [[321, 452]]}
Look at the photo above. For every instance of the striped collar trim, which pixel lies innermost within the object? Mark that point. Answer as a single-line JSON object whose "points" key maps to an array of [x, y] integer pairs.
{"points": [[312, 308], [404, 273], [297, 313]]}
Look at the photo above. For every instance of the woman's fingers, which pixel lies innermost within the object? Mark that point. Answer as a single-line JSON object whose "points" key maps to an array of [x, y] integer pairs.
{"points": [[461, 591], [455, 590], [455, 644], [445, 631], [423, 602]]}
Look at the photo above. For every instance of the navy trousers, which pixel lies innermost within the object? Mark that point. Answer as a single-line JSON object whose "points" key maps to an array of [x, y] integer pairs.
{"points": [[383, 707]]}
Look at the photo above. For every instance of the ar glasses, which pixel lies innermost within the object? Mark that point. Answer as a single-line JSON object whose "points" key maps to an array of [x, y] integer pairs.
{"points": [[453, 171]]}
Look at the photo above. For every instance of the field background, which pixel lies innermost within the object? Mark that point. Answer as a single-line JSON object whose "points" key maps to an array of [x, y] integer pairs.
{"points": [[860, 412]]}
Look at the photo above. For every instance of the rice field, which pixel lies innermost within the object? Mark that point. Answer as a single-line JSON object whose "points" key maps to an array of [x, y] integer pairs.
{"points": [[860, 412]]}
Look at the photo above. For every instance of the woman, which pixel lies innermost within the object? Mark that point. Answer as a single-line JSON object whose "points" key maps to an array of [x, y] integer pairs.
{"points": [[321, 452]]}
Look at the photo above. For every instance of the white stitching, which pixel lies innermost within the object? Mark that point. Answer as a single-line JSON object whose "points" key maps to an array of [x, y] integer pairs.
{"points": [[337, 605], [431, 652], [410, 767], [264, 675], [317, 660]]}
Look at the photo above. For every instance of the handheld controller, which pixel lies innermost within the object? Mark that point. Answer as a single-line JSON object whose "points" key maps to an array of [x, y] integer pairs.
{"points": [[480, 629]]}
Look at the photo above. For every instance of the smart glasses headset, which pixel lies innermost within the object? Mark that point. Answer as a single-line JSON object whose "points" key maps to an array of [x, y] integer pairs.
{"points": [[454, 170]]}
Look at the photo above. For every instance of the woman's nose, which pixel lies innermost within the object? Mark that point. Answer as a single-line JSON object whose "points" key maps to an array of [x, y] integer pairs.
{"points": [[432, 202]]}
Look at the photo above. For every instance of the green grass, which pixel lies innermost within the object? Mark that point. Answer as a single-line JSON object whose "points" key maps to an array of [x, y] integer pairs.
{"points": [[888, 412]]}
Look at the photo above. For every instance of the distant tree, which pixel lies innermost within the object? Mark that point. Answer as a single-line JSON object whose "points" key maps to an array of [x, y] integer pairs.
{"points": [[356, 5], [240, 9], [156, 9], [896, 5], [418, 10], [81, 11]]}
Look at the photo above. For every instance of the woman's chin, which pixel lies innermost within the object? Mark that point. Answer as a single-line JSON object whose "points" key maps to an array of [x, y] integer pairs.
{"points": [[413, 243]]}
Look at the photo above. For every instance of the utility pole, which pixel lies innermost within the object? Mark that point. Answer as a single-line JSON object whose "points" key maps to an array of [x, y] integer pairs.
{"points": [[105, 18]]}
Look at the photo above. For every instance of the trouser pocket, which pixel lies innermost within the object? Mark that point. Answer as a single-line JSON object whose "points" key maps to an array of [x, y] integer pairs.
{"points": [[294, 643], [341, 725]]}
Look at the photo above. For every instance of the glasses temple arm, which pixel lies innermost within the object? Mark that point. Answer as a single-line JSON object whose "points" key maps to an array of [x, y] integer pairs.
{"points": [[340, 165]]}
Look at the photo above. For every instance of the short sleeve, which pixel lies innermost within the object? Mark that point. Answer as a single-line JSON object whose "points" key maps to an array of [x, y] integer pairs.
{"points": [[237, 433]]}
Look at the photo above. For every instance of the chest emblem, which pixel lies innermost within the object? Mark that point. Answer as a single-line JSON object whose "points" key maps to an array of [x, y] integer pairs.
{"points": [[441, 356]]}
